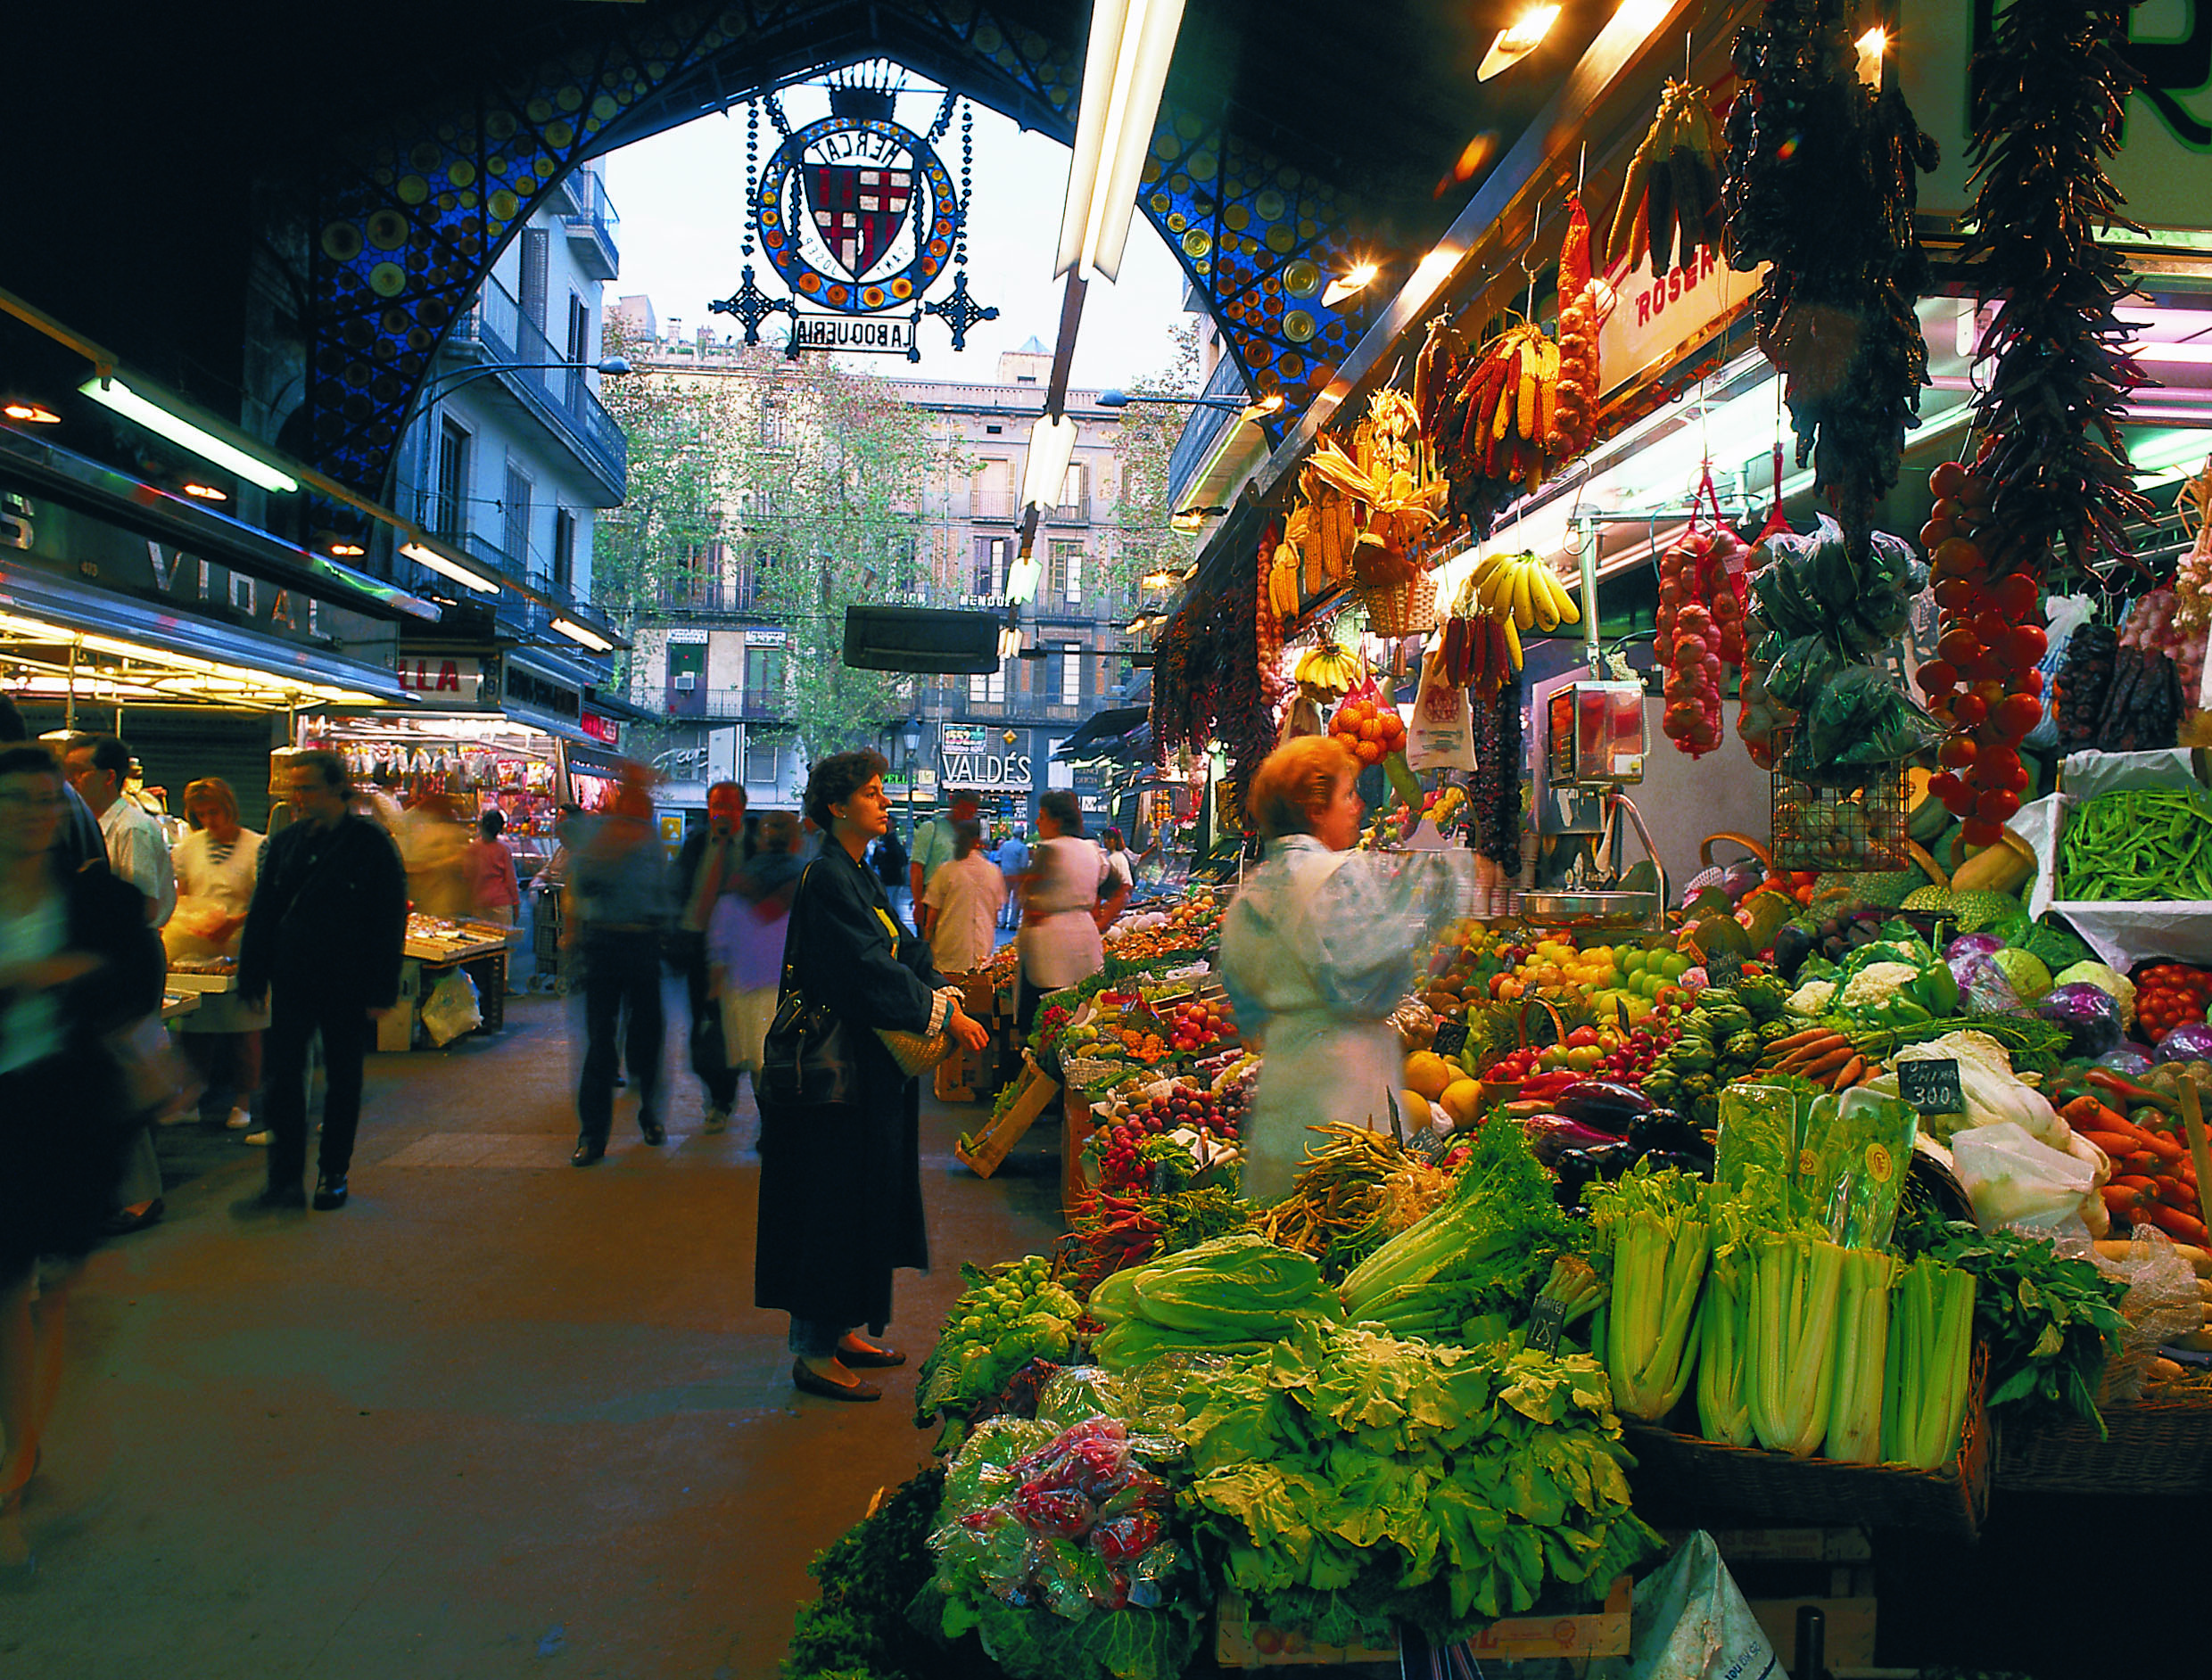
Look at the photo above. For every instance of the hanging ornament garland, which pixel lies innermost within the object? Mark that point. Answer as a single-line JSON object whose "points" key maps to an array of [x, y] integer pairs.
{"points": [[2049, 91]]}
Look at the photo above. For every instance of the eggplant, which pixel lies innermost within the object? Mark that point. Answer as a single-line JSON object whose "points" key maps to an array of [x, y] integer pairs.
{"points": [[1552, 1135], [1578, 1169], [1663, 1130], [1602, 1103], [1792, 946], [1697, 1164]]}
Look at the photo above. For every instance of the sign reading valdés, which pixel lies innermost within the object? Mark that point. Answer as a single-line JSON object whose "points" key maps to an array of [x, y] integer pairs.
{"points": [[965, 749]]}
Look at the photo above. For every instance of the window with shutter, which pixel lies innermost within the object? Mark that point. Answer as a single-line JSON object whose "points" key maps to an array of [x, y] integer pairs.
{"points": [[563, 550], [449, 511], [515, 516], [1071, 673], [995, 490], [1067, 571], [989, 575], [537, 242]]}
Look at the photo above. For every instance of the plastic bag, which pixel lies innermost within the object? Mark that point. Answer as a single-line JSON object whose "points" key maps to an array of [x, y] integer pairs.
{"points": [[2162, 1305], [2013, 1180], [452, 1008], [2064, 615], [1690, 1621], [1441, 736]]}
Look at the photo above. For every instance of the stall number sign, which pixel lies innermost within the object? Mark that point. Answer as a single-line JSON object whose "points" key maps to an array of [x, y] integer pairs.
{"points": [[1931, 1087]]}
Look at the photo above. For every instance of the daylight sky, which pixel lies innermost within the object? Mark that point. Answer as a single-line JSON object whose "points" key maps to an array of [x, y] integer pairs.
{"points": [[681, 198]]}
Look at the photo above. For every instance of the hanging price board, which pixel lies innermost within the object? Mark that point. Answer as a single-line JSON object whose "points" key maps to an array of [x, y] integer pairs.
{"points": [[1931, 1087]]}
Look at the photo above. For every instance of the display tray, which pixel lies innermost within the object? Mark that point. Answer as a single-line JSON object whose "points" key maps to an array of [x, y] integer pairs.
{"points": [[2152, 1446], [176, 1004], [181, 980], [1240, 1642], [1688, 1477]]}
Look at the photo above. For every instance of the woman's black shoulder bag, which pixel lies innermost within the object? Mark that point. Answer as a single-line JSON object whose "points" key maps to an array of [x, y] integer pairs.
{"points": [[807, 1062]]}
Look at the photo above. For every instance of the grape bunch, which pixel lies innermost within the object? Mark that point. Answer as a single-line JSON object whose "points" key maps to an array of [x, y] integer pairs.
{"points": [[1007, 1316]]}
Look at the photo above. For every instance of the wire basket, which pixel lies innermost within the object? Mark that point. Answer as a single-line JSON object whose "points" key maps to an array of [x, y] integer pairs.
{"points": [[1862, 829], [1403, 609]]}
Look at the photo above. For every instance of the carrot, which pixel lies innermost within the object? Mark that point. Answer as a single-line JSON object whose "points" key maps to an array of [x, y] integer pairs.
{"points": [[2087, 1111], [1873, 1071], [2137, 1183], [2173, 1193], [1827, 1044], [1826, 1066], [1853, 1071], [1810, 1035], [2120, 1201], [2176, 1223]]}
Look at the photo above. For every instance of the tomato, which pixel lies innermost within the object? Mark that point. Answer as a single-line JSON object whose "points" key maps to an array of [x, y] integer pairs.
{"points": [[1958, 558], [2024, 646], [1956, 595], [1938, 677], [1956, 753], [1999, 762], [1978, 833], [2015, 597], [2016, 714], [1959, 801], [1935, 533], [1997, 805], [1949, 479], [1969, 710]]}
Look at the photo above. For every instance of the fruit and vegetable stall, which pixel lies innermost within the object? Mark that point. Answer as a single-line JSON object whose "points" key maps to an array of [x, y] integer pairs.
{"points": [[1841, 1176]]}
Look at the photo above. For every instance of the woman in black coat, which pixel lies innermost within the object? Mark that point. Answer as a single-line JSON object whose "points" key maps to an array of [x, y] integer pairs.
{"points": [[78, 963], [840, 1187]]}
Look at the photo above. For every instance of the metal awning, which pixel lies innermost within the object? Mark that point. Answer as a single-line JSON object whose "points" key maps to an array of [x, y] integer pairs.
{"points": [[1101, 730]]}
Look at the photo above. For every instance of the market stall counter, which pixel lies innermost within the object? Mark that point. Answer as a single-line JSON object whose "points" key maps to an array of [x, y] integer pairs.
{"points": [[451, 970]]}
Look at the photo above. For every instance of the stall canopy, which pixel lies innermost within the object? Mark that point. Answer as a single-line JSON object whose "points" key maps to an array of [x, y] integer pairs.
{"points": [[1102, 732]]}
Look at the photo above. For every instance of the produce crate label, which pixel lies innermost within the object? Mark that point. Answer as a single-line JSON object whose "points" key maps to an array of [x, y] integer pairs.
{"points": [[1547, 1319], [1931, 1087]]}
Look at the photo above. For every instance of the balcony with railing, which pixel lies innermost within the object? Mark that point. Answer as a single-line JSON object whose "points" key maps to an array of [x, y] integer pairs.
{"points": [[1204, 429], [591, 230], [496, 333]]}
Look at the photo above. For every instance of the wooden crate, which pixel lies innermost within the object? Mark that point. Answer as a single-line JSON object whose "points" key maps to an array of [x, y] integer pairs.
{"points": [[1240, 1642], [1076, 1125]]}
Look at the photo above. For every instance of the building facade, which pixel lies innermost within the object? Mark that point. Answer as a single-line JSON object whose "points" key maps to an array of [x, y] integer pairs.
{"points": [[713, 661]]}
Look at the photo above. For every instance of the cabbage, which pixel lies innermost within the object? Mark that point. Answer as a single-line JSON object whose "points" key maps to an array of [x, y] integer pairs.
{"points": [[1973, 945], [1993, 1095], [2090, 1014], [2028, 977], [2191, 1041], [2105, 979], [2130, 1061]]}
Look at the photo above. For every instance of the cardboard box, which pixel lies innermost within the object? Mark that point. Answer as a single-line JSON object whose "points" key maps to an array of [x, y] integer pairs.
{"points": [[983, 1154], [1240, 1642]]}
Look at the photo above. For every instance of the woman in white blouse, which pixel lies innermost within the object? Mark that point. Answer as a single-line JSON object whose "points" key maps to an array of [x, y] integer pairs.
{"points": [[216, 865]]}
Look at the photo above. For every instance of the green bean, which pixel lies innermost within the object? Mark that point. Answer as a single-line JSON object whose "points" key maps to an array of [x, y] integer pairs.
{"points": [[2136, 845]]}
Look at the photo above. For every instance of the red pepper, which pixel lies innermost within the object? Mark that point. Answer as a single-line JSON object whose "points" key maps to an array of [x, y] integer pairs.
{"points": [[2105, 1078]]}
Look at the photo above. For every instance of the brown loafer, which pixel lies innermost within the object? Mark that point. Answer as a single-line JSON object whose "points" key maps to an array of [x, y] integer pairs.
{"points": [[806, 1382], [867, 1358]]}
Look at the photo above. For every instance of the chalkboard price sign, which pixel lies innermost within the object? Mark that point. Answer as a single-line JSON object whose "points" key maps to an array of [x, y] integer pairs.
{"points": [[1931, 1087], [1451, 1037]]}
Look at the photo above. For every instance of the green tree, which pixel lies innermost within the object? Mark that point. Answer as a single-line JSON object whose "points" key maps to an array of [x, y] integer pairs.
{"points": [[785, 489], [1143, 444]]}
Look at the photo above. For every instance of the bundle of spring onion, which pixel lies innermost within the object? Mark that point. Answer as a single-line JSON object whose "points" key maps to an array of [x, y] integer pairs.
{"points": [[1653, 1226]]}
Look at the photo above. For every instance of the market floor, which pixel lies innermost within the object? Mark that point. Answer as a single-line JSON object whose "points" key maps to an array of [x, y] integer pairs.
{"points": [[496, 1417]]}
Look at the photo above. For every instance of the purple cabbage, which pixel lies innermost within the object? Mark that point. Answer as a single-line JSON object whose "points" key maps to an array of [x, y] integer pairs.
{"points": [[2191, 1041], [2130, 1061], [2090, 1014], [1967, 950]]}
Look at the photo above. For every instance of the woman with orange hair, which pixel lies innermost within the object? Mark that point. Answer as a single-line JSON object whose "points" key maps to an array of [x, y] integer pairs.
{"points": [[1318, 949]]}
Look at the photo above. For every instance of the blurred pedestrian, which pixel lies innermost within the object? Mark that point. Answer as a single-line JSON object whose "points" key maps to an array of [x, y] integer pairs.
{"points": [[1013, 863], [934, 845], [79, 964], [705, 869], [1059, 938], [617, 918], [744, 939], [324, 941], [434, 847], [1120, 881], [494, 888], [961, 916], [216, 865], [99, 769], [79, 841], [840, 1184]]}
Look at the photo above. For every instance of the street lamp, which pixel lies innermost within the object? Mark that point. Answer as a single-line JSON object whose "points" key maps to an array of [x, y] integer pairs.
{"points": [[910, 738], [1257, 410]]}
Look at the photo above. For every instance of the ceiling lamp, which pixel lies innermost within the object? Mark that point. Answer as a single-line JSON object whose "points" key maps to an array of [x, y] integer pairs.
{"points": [[206, 493], [1517, 40], [1124, 71], [1354, 279], [583, 634], [31, 413], [445, 565], [1052, 451], [113, 393]]}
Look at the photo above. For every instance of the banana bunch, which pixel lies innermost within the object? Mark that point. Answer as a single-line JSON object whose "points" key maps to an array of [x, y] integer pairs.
{"points": [[1327, 671], [1521, 587]]}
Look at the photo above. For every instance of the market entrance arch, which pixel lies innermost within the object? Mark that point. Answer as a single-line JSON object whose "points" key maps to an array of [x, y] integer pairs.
{"points": [[394, 231]]}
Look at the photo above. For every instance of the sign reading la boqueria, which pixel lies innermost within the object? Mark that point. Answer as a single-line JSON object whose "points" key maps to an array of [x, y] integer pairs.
{"points": [[857, 215]]}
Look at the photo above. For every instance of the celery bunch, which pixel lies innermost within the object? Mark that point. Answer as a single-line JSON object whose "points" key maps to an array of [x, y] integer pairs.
{"points": [[1724, 1326], [1854, 1417], [1931, 1339], [1652, 1224], [1797, 1284]]}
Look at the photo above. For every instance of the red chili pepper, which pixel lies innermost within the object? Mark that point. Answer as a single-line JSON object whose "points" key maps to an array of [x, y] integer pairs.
{"points": [[2105, 1078]]}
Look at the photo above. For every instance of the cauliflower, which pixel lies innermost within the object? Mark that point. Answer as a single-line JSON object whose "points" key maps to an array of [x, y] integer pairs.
{"points": [[1877, 985], [1815, 997], [2108, 980]]}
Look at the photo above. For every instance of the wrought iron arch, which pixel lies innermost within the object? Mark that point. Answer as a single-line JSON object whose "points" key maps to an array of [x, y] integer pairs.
{"points": [[404, 225]]}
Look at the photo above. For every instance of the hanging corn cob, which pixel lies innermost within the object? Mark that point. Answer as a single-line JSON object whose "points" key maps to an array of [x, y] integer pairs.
{"points": [[1671, 201]]}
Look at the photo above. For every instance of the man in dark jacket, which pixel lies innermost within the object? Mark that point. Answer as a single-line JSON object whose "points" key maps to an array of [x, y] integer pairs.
{"points": [[710, 854], [324, 939]]}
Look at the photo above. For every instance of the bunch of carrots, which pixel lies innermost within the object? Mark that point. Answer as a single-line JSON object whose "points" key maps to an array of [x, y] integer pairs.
{"points": [[1823, 1056], [2153, 1182]]}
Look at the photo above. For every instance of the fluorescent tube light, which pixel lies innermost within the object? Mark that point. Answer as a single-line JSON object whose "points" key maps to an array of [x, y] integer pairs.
{"points": [[1124, 71], [453, 569], [1516, 41], [583, 633], [1009, 642], [1021, 579], [1051, 450], [116, 395]]}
